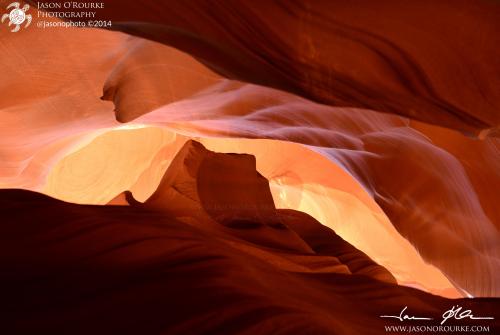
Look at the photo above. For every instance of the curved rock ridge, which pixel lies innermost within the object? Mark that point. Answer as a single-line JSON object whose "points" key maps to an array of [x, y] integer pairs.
{"points": [[145, 269], [436, 63]]}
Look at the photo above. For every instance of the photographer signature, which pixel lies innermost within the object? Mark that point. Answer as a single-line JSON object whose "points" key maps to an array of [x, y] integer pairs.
{"points": [[455, 312]]}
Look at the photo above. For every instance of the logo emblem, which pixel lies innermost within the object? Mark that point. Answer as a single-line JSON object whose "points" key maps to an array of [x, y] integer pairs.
{"points": [[17, 16]]}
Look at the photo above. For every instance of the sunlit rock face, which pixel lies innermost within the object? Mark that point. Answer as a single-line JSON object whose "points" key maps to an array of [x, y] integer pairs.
{"points": [[325, 192], [150, 268], [157, 76]]}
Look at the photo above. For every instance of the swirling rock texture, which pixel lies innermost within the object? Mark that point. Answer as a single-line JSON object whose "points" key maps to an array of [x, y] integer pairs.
{"points": [[331, 137], [423, 60]]}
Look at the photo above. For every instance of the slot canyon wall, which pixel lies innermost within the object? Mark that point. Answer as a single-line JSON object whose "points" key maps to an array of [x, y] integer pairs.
{"points": [[250, 166]]}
